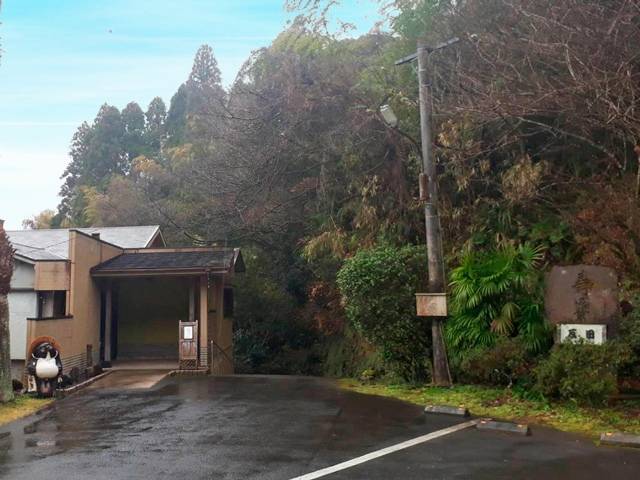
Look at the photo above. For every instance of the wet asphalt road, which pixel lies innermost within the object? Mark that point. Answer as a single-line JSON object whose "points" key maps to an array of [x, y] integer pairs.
{"points": [[277, 428]]}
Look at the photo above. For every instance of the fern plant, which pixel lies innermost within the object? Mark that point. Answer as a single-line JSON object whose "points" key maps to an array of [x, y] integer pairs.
{"points": [[497, 294]]}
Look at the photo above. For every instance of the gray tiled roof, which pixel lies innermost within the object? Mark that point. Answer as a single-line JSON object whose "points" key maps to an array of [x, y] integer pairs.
{"points": [[53, 244], [218, 259]]}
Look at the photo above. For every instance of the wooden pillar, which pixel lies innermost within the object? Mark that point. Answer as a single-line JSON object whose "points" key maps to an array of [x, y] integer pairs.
{"points": [[203, 321], [192, 301], [108, 320], [221, 330]]}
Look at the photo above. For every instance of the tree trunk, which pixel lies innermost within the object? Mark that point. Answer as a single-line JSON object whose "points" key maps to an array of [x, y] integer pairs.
{"points": [[6, 388]]}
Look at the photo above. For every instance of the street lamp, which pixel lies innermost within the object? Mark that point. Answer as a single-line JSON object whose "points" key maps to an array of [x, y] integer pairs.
{"points": [[389, 116]]}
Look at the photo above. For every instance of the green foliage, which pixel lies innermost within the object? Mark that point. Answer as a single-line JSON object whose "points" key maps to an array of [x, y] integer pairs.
{"points": [[506, 363], [378, 290], [629, 338], [349, 355], [177, 116], [269, 336], [502, 224], [555, 237], [293, 159], [414, 18], [581, 373], [496, 294]]}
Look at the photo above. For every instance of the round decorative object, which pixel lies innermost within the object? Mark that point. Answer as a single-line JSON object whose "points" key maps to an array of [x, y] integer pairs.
{"points": [[46, 367]]}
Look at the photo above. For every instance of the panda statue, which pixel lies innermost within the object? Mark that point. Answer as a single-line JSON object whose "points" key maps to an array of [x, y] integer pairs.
{"points": [[45, 367]]}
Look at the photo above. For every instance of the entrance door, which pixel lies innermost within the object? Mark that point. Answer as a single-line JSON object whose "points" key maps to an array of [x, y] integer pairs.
{"points": [[188, 345]]}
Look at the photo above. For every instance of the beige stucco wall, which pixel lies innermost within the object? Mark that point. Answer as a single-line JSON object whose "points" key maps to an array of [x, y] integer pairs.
{"points": [[83, 302], [60, 329], [52, 275]]}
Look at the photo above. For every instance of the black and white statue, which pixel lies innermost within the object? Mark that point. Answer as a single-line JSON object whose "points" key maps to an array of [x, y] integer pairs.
{"points": [[45, 367]]}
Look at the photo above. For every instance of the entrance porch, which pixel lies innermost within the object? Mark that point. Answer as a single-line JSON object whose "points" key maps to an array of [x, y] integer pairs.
{"points": [[146, 294]]}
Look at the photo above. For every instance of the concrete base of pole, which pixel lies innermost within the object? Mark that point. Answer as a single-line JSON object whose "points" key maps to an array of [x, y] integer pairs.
{"points": [[620, 439], [447, 410], [506, 427]]}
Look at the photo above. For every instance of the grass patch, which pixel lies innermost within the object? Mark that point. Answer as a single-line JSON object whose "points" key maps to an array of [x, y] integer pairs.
{"points": [[503, 404], [22, 406]]}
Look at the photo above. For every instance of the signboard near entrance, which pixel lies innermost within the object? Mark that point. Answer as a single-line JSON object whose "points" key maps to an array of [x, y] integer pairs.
{"points": [[188, 345], [431, 304]]}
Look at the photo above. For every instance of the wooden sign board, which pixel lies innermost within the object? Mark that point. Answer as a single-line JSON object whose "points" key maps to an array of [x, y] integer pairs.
{"points": [[431, 304]]}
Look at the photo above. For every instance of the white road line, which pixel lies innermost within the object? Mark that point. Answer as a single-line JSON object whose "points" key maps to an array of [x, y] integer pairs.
{"points": [[386, 451]]}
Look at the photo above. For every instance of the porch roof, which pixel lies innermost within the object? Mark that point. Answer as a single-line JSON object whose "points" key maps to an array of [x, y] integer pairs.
{"points": [[171, 261]]}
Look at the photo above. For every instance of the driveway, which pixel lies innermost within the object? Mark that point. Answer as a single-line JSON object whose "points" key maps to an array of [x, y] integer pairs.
{"points": [[265, 427]]}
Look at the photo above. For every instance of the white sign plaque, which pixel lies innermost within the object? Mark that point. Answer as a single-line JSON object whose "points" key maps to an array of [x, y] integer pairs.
{"points": [[187, 333], [575, 332]]}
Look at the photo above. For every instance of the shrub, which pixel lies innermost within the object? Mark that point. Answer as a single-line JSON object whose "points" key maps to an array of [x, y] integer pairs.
{"points": [[348, 354], [378, 289], [582, 373], [630, 337], [269, 334], [497, 294], [506, 363]]}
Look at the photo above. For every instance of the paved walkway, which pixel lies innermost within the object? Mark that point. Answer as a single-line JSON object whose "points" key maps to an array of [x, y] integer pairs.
{"points": [[130, 379], [256, 427], [145, 364]]}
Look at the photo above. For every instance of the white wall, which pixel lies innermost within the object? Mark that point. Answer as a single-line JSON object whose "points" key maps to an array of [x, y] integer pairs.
{"points": [[24, 275], [22, 305]]}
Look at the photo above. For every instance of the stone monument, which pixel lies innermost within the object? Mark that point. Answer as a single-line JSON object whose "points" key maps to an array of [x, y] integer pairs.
{"points": [[582, 294]]}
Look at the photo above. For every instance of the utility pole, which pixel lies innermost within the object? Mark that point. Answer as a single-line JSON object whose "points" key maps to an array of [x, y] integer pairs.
{"points": [[429, 194]]}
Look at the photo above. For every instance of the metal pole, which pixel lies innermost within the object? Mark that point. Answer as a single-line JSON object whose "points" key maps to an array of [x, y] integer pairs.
{"points": [[441, 374]]}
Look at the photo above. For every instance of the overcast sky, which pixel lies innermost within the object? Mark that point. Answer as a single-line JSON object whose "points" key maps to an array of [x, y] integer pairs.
{"points": [[61, 59]]}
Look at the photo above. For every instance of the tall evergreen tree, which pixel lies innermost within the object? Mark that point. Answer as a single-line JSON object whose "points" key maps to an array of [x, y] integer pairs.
{"points": [[133, 120], [98, 152], [205, 71], [156, 116], [177, 116], [200, 96]]}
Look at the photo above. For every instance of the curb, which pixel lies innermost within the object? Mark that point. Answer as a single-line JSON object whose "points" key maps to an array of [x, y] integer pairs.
{"points": [[63, 393], [484, 423], [460, 411], [506, 427], [199, 371], [617, 439]]}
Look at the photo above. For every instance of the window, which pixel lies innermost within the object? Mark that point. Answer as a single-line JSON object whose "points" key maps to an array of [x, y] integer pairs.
{"points": [[228, 302], [52, 303]]}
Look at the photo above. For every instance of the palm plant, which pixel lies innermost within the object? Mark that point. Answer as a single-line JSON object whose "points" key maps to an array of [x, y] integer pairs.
{"points": [[496, 293]]}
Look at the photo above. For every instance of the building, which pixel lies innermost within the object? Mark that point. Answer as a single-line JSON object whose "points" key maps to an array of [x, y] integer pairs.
{"points": [[118, 293]]}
